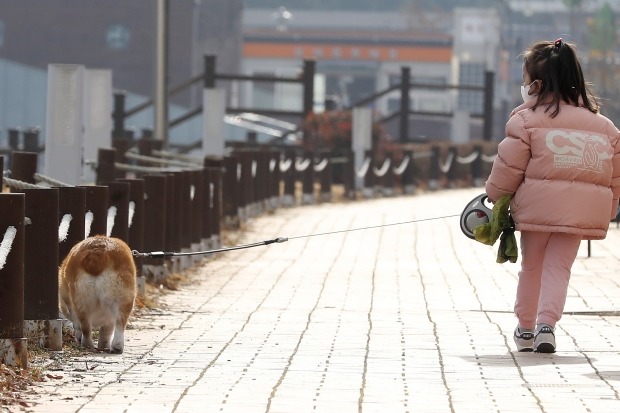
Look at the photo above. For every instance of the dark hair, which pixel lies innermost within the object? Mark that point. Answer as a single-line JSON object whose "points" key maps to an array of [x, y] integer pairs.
{"points": [[556, 65]]}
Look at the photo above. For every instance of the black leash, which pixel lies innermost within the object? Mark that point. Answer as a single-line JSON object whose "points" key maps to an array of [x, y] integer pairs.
{"points": [[279, 240], [163, 254]]}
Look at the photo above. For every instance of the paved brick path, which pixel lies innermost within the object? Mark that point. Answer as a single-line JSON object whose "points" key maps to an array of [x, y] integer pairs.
{"points": [[404, 318]]}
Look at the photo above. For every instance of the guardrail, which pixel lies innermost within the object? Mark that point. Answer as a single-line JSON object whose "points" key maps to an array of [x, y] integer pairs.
{"points": [[157, 200]]}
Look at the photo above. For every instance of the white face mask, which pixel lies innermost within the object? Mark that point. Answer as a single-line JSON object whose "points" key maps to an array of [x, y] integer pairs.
{"points": [[525, 93]]}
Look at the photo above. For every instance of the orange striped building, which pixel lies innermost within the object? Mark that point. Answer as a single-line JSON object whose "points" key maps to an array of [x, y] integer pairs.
{"points": [[351, 65]]}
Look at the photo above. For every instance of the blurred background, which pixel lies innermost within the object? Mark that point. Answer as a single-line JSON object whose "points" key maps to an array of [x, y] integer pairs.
{"points": [[359, 46]]}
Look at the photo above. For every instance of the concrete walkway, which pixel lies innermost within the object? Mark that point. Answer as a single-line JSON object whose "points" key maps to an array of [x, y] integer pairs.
{"points": [[403, 318]]}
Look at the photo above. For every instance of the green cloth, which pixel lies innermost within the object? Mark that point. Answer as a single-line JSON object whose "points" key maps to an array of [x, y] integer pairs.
{"points": [[501, 226]]}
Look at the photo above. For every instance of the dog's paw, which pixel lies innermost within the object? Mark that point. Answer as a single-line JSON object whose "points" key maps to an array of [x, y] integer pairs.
{"points": [[116, 350]]}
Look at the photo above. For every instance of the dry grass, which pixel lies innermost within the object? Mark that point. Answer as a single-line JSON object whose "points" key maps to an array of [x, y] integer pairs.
{"points": [[16, 385]]}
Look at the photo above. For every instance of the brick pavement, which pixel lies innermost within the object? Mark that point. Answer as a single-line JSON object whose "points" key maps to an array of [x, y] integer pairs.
{"points": [[403, 318]]}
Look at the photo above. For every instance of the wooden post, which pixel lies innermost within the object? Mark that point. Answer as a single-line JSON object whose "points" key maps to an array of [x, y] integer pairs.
{"points": [[118, 198], [96, 202], [247, 189], [307, 180], [476, 167], [369, 178], [326, 178], [24, 166], [405, 102], [106, 169], [197, 205], [118, 115], [155, 189], [172, 241], [348, 174], [230, 201], [289, 178], [13, 347], [42, 325], [408, 175], [433, 176], [71, 204], [213, 201], [186, 210], [135, 225], [452, 173], [155, 215], [489, 82], [31, 140]]}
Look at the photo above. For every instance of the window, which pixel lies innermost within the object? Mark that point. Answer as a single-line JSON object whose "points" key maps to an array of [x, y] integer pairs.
{"points": [[471, 74], [263, 92]]}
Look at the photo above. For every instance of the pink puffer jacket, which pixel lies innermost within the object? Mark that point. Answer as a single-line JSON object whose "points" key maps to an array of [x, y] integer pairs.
{"points": [[564, 172]]}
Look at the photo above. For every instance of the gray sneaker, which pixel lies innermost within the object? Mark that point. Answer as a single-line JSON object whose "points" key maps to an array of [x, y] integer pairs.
{"points": [[544, 340], [524, 339]]}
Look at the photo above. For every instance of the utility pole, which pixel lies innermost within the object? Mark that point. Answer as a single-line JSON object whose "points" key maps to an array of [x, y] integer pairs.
{"points": [[161, 73]]}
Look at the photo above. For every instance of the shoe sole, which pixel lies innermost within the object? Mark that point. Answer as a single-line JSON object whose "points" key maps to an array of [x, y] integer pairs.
{"points": [[545, 348]]}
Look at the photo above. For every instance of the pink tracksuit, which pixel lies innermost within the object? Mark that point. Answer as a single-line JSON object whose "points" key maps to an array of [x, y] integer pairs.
{"points": [[564, 173]]}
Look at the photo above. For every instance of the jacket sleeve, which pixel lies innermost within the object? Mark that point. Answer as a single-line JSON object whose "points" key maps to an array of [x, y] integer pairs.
{"points": [[615, 177], [513, 156]]}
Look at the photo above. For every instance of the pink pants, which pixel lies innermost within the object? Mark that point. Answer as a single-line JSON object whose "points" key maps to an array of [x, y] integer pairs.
{"points": [[546, 261]]}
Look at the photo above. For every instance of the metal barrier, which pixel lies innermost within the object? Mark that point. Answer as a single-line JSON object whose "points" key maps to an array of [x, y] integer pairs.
{"points": [[178, 205]]}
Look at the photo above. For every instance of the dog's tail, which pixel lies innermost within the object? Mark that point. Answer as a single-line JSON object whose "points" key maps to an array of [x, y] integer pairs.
{"points": [[95, 261], [100, 253]]}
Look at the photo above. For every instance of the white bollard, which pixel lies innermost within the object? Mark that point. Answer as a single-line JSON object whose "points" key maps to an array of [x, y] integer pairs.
{"points": [[64, 124], [97, 120], [213, 112], [362, 139]]}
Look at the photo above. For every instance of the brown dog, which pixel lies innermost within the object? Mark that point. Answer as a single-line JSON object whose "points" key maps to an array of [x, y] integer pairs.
{"points": [[97, 290]]}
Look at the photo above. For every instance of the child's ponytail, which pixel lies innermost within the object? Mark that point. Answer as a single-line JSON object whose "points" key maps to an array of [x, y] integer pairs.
{"points": [[556, 64]]}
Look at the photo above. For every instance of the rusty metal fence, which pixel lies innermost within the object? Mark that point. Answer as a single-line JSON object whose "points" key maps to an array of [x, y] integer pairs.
{"points": [[157, 200]]}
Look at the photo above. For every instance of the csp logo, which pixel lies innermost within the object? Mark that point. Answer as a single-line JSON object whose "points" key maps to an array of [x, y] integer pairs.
{"points": [[578, 150]]}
